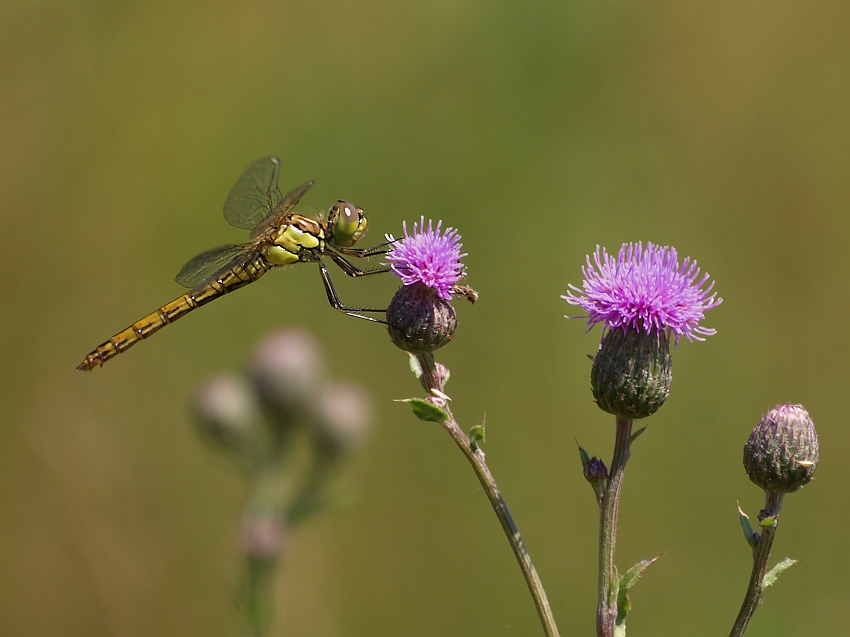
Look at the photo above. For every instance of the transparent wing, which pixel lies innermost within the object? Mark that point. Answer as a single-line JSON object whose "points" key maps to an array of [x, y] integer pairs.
{"points": [[209, 263], [294, 196], [255, 194]]}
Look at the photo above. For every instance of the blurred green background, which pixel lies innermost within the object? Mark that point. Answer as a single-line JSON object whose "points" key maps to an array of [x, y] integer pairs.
{"points": [[539, 129]]}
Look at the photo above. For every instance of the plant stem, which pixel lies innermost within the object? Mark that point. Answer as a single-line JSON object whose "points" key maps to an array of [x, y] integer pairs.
{"points": [[761, 553], [431, 381], [259, 598], [606, 609]]}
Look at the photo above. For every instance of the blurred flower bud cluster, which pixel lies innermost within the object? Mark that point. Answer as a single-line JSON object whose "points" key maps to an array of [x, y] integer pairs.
{"points": [[287, 426], [255, 416]]}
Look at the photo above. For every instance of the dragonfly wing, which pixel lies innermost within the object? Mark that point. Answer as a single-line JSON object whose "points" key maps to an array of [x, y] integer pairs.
{"points": [[209, 263], [255, 195], [294, 196], [289, 202]]}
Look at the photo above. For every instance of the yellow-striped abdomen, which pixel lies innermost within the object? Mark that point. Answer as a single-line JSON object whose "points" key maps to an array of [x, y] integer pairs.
{"points": [[227, 281]]}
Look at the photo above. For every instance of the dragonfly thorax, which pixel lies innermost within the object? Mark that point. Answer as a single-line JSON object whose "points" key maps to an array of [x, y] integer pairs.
{"points": [[297, 240]]}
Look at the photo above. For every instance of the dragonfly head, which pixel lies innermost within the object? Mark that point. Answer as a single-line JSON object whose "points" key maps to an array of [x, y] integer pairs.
{"points": [[346, 223]]}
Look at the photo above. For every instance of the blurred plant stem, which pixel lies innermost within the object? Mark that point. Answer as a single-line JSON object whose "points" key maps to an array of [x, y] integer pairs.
{"points": [[312, 497], [259, 596], [433, 381], [262, 542], [761, 554], [606, 610]]}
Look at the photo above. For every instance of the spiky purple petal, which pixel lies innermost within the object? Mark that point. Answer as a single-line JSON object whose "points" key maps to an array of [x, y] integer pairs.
{"points": [[428, 256], [645, 289]]}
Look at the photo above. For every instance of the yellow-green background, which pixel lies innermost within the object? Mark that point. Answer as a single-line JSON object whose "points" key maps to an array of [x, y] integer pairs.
{"points": [[539, 129]]}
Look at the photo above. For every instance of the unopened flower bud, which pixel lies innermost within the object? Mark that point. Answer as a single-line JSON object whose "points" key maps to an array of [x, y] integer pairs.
{"points": [[632, 372], [343, 418], [288, 370], [782, 453], [227, 411], [595, 471], [419, 320]]}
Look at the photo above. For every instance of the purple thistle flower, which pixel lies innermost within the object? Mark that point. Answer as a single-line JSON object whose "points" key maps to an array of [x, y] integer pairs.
{"points": [[429, 257], [645, 289]]}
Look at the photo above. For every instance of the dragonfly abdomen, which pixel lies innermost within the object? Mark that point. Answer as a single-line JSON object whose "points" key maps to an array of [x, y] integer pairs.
{"points": [[232, 279]]}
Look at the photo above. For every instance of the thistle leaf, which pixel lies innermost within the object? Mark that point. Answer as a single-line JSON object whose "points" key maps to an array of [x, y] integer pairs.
{"points": [[425, 410], [626, 581], [636, 434], [749, 534], [415, 367], [585, 457], [477, 434], [774, 573]]}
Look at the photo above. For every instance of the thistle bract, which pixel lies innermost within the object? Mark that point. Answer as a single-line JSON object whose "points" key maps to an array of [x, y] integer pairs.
{"points": [[782, 453], [632, 373], [419, 321]]}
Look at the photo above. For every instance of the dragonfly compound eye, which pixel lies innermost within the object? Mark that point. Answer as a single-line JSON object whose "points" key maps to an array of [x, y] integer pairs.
{"points": [[348, 223]]}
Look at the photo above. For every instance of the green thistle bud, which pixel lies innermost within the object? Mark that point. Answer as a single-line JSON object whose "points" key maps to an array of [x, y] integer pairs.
{"points": [[419, 320], [632, 372], [782, 453]]}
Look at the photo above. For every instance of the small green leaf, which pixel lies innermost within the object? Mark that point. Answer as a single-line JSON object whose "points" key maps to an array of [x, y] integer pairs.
{"points": [[749, 534], [636, 434], [427, 411], [620, 630], [415, 366], [626, 581], [630, 577], [774, 573], [585, 457], [476, 435]]}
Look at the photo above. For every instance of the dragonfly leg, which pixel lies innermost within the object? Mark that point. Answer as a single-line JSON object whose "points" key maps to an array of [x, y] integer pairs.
{"points": [[333, 297], [352, 270], [365, 253]]}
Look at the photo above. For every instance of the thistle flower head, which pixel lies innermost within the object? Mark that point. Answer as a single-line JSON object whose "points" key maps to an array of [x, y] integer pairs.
{"points": [[431, 257], [646, 289]]}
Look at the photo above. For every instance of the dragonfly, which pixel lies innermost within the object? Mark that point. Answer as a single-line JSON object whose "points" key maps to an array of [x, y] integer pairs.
{"points": [[279, 237]]}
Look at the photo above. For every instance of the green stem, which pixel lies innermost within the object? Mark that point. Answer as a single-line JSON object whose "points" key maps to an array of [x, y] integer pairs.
{"points": [[270, 486], [606, 609], [761, 554], [259, 597], [312, 497], [431, 381]]}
